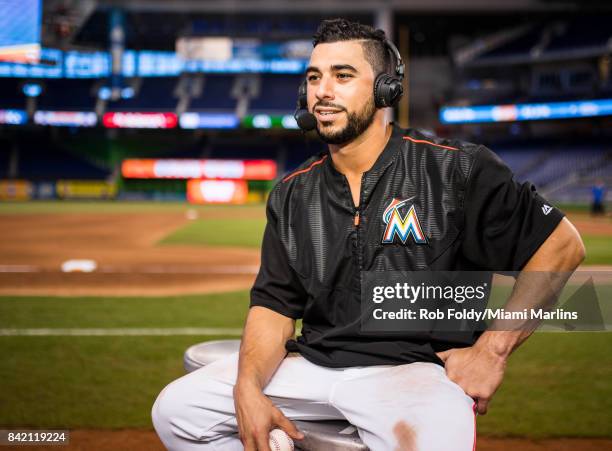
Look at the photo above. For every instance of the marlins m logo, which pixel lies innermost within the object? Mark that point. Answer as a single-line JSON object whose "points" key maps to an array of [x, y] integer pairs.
{"points": [[403, 226]]}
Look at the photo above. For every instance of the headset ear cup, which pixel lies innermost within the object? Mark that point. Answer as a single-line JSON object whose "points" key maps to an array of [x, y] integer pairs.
{"points": [[387, 91], [395, 92], [379, 94]]}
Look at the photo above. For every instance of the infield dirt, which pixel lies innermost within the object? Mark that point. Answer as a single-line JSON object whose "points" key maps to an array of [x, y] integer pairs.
{"points": [[130, 262], [124, 246]]}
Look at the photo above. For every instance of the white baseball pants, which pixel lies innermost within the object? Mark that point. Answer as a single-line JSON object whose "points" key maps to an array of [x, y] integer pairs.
{"points": [[412, 407]]}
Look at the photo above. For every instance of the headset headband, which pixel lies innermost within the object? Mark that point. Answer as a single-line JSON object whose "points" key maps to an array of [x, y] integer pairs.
{"points": [[399, 64]]}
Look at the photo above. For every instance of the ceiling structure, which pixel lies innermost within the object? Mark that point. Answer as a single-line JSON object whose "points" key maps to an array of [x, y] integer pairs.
{"points": [[326, 6], [155, 24]]}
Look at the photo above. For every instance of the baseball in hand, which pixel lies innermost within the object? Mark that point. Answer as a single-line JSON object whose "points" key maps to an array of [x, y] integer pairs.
{"points": [[280, 441]]}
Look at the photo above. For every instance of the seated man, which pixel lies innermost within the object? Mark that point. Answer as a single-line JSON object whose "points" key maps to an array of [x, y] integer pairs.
{"points": [[380, 199]]}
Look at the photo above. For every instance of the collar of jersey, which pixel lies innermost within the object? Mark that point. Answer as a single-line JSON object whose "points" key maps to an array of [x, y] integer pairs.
{"points": [[384, 159], [382, 162], [338, 187]]}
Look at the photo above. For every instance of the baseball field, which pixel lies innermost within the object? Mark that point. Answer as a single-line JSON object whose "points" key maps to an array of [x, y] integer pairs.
{"points": [[90, 351]]}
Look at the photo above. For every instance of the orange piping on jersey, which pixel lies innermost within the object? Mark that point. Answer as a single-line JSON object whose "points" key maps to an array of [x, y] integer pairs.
{"points": [[429, 142], [290, 176]]}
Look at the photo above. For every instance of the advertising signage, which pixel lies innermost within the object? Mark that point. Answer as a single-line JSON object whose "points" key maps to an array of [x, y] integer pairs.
{"points": [[525, 111], [197, 169], [217, 191], [66, 118], [13, 117], [139, 120]]}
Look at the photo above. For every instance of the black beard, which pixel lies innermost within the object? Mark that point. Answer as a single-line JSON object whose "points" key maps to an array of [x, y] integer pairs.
{"points": [[355, 126]]}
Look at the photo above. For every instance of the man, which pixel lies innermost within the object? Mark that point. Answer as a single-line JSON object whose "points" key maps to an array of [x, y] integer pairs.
{"points": [[328, 224], [598, 192]]}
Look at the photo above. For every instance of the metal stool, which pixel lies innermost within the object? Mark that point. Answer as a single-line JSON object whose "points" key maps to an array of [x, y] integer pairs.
{"points": [[318, 435]]}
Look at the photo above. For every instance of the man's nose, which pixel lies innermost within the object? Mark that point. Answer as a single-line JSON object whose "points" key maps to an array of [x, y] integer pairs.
{"points": [[325, 89]]}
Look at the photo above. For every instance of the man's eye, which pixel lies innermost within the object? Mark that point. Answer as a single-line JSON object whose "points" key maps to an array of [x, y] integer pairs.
{"points": [[312, 77], [344, 75]]}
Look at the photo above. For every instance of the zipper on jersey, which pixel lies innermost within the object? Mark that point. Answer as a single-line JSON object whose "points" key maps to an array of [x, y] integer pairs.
{"points": [[357, 222], [357, 252], [356, 217]]}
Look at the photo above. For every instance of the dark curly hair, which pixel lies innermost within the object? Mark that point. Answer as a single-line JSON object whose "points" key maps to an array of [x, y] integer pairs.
{"points": [[374, 49]]}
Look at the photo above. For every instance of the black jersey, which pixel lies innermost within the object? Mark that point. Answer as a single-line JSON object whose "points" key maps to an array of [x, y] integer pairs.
{"points": [[470, 214]]}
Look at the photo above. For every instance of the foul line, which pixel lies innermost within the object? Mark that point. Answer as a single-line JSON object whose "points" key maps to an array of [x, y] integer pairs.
{"points": [[19, 268], [159, 269], [244, 269], [122, 332]]}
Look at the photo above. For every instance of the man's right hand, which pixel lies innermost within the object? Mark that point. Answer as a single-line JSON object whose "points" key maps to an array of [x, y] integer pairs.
{"points": [[257, 416]]}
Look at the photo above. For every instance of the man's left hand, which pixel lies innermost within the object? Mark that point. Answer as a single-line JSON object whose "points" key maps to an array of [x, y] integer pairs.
{"points": [[477, 370]]}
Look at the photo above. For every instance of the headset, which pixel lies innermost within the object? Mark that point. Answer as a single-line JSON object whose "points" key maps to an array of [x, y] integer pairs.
{"points": [[388, 90]]}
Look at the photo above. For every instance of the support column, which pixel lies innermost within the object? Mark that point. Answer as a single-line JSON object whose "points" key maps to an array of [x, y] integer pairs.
{"points": [[383, 19], [117, 46], [403, 117]]}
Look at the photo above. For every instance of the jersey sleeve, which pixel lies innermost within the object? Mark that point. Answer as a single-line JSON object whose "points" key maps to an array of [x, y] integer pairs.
{"points": [[277, 286], [505, 221]]}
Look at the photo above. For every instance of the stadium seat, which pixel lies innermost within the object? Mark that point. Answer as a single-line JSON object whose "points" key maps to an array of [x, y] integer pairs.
{"points": [[318, 435]]}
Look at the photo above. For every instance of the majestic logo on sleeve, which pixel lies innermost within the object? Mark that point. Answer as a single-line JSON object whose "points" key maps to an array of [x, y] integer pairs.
{"points": [[402, 225]]}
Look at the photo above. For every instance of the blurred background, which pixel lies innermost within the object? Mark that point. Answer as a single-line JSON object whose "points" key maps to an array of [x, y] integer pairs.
{"points": [[103, 82], [139, 140]]}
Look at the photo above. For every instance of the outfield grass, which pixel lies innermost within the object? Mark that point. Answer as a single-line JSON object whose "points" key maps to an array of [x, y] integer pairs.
{"points": [[86, 382], [99, 382], [219, 232], [249, 232], [96, 206], [557, 384], [212, 310], [598, 249]]}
